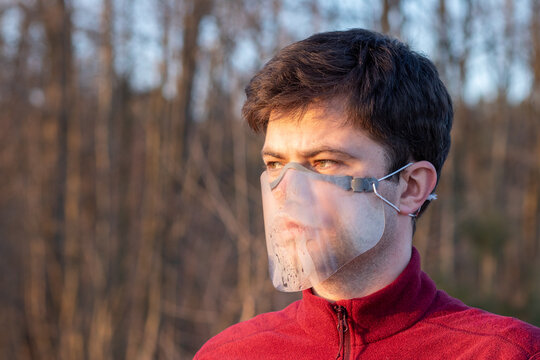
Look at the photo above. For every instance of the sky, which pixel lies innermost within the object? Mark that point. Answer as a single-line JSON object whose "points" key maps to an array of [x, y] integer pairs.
{"points": [[141, 56]]}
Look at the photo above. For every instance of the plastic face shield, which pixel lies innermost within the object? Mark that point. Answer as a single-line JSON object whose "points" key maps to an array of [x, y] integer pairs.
{"points": [[315, 224]]}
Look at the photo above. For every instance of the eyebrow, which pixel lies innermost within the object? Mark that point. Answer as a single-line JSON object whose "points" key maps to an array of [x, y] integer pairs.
{"points": [[309, 153]]}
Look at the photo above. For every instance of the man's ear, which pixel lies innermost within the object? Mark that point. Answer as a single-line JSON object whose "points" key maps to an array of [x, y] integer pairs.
{"points": [[416, 182]]}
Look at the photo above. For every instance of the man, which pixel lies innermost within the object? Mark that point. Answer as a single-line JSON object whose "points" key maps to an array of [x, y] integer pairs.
{"points": [[357, 130]]}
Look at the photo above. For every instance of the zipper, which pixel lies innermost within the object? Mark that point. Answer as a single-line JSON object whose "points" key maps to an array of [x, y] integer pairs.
{"points": [[342, 327]]}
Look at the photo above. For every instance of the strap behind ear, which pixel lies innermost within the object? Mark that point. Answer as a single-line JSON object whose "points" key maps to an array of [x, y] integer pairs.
{"points": [[429, 199]]}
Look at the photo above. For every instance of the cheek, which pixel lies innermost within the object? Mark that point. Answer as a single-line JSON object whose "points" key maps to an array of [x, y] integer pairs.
{"points": [[328, 209], [339, 219], [341, 210]]}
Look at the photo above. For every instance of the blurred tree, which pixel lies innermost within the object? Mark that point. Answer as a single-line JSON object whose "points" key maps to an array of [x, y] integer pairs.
{"points": [[130, 215]]}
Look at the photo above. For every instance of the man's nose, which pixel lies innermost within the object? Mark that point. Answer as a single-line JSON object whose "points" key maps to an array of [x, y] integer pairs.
{"points": [[279, 192], [293, 187]]}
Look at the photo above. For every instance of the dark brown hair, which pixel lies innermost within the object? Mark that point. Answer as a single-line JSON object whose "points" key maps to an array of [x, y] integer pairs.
{"points": [[388, 90]]}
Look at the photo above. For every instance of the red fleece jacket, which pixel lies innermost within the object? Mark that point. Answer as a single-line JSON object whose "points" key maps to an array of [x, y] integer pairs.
{"points": [[408, 319]]}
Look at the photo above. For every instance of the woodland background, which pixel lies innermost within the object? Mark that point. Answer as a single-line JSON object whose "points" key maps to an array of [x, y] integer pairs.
{"points": [[130, 217]]}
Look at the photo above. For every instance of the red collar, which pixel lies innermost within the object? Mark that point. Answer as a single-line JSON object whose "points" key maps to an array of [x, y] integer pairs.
{"points": [[384, 313]]}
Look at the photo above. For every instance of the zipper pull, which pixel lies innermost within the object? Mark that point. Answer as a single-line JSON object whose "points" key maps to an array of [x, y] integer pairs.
{"points": [[342, 327]]}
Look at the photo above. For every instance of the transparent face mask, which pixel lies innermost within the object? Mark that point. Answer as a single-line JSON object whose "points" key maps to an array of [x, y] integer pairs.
{"points": [[315, 223]]}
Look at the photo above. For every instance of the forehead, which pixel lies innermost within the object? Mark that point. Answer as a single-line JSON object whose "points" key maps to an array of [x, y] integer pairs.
{"points": [[319, 127]]}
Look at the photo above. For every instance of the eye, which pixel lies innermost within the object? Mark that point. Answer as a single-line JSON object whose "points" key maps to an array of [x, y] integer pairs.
{"points": [[273, 165], [325, 164]]}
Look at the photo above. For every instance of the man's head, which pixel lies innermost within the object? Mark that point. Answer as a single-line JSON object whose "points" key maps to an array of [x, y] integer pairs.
{"points": [[346, 104], [390, 92]]}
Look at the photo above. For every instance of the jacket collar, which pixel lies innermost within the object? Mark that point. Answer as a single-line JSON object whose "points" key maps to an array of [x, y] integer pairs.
{"points": [[384, 313]]}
